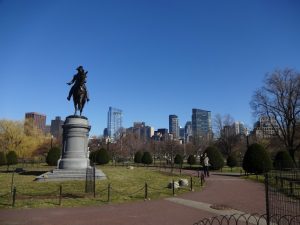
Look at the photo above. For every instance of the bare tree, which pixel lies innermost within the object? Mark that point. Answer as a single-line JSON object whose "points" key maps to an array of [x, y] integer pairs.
{"points": [[226, 138], [279, 98]]}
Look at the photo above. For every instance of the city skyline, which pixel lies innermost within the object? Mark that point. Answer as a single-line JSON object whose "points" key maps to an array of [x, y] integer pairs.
{"points": [[115, 121], [151, 59]]}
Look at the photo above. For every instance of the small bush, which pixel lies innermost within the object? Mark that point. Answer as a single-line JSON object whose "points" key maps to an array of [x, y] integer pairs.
{"points": [[138, 157], [147, 158], [232, 161], [2, 159], [102, 156], [215, 158], [283, 160], [93, 156], [191, 160], [256, 160], [53, 156], [178, 159]]}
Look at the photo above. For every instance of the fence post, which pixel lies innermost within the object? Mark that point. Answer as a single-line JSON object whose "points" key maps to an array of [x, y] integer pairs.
{"points": [[201, 179], [291, 188], [173, 187], [267, 197], [94, 174], [191, 180], [60, 194], [108, 193], [146, 191], [12, 182], [14, 196]]}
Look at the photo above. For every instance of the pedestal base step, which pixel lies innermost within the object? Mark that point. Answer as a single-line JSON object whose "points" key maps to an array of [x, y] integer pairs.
{"points": [[63, 174]]}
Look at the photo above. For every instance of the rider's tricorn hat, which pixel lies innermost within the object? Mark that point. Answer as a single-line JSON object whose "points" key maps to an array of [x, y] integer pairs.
{"points": [[79, 68]]}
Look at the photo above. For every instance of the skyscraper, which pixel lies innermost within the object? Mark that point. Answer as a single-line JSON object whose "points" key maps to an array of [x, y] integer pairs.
{"points": [[174, 126], [37, 120], [114, 122], [201, 125], [188, 131], [56, 127]]}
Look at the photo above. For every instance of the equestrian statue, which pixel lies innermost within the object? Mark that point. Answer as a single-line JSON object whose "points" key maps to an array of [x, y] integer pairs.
{"points": [[79, 91]]}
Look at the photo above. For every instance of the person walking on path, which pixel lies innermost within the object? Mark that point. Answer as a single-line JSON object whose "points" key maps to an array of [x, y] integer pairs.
{"points": [[206, 165]]}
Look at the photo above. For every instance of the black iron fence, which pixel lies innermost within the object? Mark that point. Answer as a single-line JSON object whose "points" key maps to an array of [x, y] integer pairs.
{"points": [[107, 194], [90, 180], [282, 193], [255, 219]]}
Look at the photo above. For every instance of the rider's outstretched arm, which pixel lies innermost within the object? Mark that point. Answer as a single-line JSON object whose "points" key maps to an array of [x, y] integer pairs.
{"points": [[73, 80]]}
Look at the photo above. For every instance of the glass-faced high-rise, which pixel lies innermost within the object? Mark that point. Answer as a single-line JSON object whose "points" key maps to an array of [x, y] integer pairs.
{"points": [[114, 122], [174, 126], [201, 124]]}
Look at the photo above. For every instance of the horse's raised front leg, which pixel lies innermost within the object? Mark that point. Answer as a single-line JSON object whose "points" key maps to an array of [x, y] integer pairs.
{"points": [[75, 113]]}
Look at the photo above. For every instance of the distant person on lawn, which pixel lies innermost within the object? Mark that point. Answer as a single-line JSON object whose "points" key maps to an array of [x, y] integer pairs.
{"points": [[206, 165]]}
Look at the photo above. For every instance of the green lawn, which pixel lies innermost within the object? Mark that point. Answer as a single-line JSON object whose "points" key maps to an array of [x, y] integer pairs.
{"points": [[126, 185]]}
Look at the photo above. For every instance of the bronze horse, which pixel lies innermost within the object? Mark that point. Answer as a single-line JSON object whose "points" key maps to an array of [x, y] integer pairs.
{"points": [[80, 94]]}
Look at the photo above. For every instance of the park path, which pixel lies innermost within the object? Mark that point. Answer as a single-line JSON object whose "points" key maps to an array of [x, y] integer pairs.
{"points": [[238, 195]]}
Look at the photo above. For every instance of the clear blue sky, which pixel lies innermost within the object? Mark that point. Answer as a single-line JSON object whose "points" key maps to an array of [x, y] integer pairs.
{"points": [[148, 58]]}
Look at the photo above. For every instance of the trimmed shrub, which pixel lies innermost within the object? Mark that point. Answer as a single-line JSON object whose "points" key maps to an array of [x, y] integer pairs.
{"points": [[147, 158], [257, 160], [191, 160], [93, 156], [2, 159], [283, 160], [232, 161], [102, 156], [53, 156], [138, 157], [215, 158], [11, 158], [178, 159]]}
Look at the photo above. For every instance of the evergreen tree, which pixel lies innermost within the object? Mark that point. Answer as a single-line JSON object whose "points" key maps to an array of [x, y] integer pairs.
{"points": [[102, 156], [215, 158], [11, 158], [283, 160], [2, 159], [191, 160], [53, 156], [257, 160], [147, 158], [178, 159], [231, 161], [138, 157]]}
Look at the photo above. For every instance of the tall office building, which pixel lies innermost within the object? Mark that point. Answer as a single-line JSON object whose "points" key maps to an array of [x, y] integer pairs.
{"points": [[188, 132], [201, 125], [161, 135], [37, 120], [174, 126], [181, 133], [239, 128], [114, 122], [141, 130], [56, 127], [266, 127]]}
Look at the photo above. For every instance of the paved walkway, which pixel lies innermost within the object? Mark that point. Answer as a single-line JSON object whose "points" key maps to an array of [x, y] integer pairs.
{"points": [[236, 194]]}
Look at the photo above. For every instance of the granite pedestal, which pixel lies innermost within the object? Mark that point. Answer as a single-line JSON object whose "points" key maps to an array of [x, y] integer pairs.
{"points": [[74, 161]]}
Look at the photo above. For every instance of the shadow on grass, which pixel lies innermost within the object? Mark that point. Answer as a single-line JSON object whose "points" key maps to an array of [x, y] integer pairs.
{"points": [[70, 195], [32, 173]]}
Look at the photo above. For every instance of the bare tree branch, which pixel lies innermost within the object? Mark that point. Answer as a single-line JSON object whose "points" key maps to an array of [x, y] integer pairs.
{"points": [[279, 99]]}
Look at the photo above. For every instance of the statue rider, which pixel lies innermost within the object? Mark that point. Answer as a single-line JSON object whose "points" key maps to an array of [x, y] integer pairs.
{"points": [[77, 79]]}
